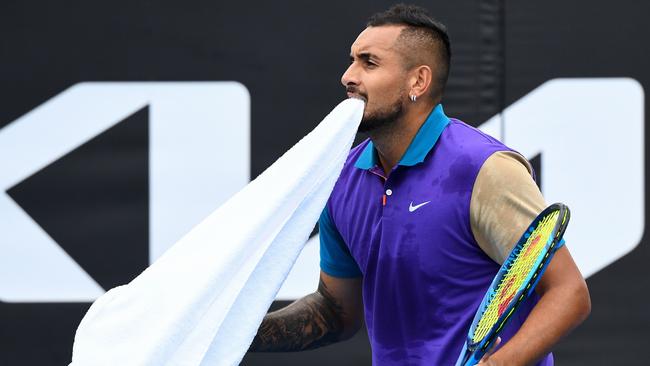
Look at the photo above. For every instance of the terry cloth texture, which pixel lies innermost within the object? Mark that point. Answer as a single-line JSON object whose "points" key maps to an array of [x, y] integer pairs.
{"points": [[203, 300]]}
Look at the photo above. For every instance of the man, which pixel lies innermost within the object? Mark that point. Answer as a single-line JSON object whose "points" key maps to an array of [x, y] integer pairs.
{"points": [[421, 218]]}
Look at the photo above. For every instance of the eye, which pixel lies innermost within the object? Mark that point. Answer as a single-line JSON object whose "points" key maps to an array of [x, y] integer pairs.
{"points": [[370, 64]]}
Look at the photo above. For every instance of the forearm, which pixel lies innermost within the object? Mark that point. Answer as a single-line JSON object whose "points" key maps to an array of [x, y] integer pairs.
{"points": [[558, 311], [310, 322]]}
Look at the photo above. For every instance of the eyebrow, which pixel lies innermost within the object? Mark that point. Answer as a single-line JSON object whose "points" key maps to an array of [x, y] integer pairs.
{"points": [[365, 56]]}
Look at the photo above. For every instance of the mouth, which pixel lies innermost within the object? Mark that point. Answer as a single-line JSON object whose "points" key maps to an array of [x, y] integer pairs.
{"points": [[356, 96]]}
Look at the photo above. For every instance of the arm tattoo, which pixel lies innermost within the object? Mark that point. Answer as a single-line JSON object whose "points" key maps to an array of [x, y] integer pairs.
{"points": [[310, 322]]}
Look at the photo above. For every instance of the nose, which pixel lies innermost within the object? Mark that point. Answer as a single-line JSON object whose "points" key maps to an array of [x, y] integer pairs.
{"points": [[350, 76]]}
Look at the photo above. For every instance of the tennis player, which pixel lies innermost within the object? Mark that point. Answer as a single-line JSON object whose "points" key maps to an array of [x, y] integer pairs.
{"points": [[421, 218]]}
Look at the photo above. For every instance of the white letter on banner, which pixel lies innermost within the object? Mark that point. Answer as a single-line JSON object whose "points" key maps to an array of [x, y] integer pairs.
{"points": [[199, 157]]}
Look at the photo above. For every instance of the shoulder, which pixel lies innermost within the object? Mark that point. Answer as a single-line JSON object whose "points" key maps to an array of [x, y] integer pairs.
{"points": [[356, 152], [351, 160], [507, 165], [465, 148], [349, 175], [460, 129]]}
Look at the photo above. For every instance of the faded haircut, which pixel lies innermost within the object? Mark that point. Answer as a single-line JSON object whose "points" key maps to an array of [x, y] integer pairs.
{"points": [[424, 40]]}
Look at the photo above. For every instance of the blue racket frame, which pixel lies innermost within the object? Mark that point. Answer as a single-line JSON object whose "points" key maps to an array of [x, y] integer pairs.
{"points": [[473, 352]]}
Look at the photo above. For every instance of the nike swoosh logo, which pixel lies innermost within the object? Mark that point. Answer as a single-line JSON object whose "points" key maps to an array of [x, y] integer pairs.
{"points": [[413, 208]]}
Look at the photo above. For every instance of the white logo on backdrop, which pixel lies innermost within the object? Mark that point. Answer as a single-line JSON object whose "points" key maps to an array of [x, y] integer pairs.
{"points": [[199, 155], [590, 134]]}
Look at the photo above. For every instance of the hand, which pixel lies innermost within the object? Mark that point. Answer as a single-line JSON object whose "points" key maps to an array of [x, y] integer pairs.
{"points": [[486, 360]]}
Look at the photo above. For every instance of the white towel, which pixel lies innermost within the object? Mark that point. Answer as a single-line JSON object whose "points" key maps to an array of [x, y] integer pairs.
{"points": [[203, 300]]}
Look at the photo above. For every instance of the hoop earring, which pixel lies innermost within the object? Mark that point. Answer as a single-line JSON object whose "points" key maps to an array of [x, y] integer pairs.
{"points": [[413, 98]]}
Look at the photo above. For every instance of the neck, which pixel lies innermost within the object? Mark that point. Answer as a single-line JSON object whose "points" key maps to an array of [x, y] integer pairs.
{"points": [[391, 142]]}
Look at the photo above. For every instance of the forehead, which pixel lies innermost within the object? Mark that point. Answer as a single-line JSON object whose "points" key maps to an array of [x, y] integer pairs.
{"points": [[377, 40]]}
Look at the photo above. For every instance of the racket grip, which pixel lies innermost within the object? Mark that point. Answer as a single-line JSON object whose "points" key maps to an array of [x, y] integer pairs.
{"points": [[462, 358], [467, 358]]}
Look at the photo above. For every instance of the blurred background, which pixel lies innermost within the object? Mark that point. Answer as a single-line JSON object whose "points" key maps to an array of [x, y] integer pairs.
{"points": [[124, 123]]}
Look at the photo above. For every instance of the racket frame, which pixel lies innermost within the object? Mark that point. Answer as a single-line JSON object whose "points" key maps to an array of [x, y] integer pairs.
{"points": [[474, 351]]}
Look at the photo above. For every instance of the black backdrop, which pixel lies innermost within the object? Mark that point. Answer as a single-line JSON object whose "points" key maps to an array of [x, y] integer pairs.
{"points": [[290, 56]]}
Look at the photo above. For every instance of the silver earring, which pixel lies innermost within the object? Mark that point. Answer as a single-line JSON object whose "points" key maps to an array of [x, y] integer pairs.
{"points": [[413, 98]]}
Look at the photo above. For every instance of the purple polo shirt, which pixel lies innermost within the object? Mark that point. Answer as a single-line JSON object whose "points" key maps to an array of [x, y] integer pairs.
{"points": [[409, 236]]}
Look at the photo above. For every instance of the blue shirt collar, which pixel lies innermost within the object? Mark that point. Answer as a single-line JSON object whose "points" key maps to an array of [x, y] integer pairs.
{"points": [[422, 143]]}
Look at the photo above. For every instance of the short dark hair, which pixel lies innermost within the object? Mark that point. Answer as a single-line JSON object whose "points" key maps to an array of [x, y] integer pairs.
{"points": [[423, 28]]}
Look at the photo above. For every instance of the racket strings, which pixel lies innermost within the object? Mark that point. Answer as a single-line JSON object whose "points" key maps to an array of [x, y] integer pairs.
{"points": [[519, 266]]}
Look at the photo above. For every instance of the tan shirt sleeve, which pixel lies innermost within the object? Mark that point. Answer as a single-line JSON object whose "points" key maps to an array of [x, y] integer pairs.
{"points": [[505, 199]]}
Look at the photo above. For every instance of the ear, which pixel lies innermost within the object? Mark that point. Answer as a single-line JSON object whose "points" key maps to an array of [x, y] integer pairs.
{"points": [[421, 79]]}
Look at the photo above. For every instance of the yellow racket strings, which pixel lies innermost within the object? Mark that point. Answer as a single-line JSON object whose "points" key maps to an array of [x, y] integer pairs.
{"points": [[518, 272]]}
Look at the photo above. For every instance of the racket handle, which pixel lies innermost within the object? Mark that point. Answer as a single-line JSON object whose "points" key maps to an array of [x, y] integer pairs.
{"points": [[462, 358], [467, 358]]}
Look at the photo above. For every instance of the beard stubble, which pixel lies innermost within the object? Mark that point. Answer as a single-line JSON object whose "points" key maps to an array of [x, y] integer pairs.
{"points": [[382, 119]]}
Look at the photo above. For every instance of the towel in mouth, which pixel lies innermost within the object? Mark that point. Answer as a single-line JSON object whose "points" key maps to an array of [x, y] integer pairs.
{"points": [[203, 300]]}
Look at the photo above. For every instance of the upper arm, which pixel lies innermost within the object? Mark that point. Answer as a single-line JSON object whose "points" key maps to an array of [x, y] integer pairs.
{"points": [[335, 257], [340, 276], [345, 296], [505, 199], [562, 272]]}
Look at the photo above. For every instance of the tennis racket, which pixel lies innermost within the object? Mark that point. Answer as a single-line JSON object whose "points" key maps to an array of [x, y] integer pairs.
{"points": [[515, 281]]}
